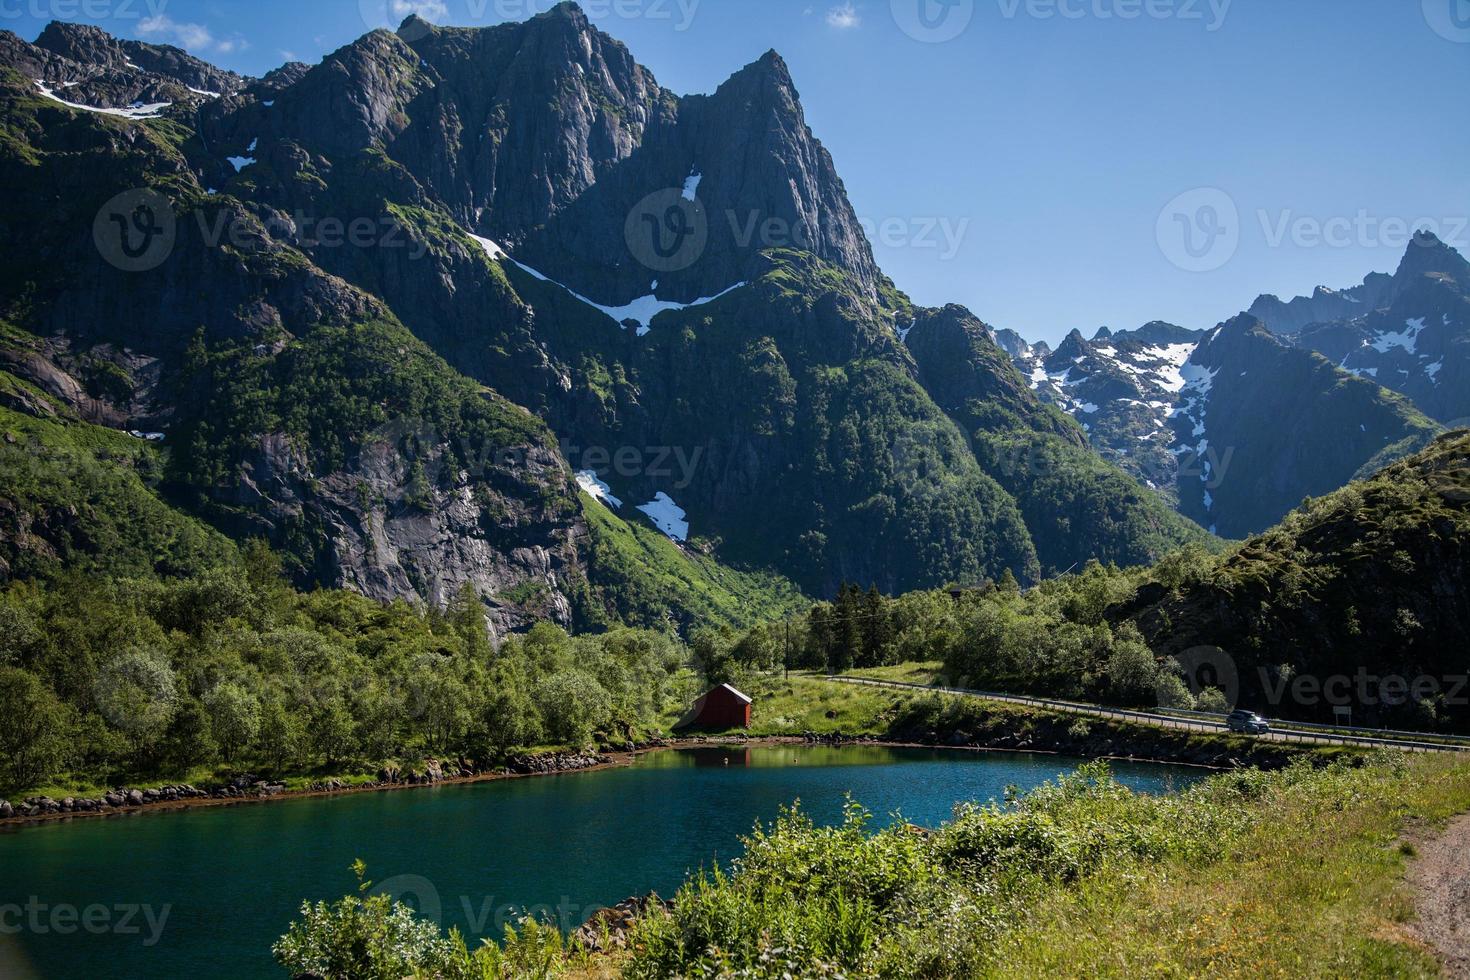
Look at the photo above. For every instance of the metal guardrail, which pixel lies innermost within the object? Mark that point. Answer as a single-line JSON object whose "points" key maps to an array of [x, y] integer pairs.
{"points": [[1203, 722], [1388, 734]]}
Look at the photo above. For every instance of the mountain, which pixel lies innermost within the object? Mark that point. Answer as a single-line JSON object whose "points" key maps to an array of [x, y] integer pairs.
{"points": [[1370, 585], [82, 64], [1123, 388], [400, 314], [1409, 332], [1037, 453], [1263, 424], [1221, 422], [1323, 306]]}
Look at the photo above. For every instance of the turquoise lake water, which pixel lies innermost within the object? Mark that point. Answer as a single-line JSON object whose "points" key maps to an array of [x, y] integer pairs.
{"points": [[206, 892]]}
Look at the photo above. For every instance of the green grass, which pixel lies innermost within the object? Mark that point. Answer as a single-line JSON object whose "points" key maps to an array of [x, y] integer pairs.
{"points": [[1294, 873], [906, 673], [643, 579], [83, 494], [1309, 890], [809, 703]]}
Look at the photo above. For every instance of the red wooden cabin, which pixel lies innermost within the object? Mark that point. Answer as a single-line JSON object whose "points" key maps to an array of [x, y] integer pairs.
{"points": [[720, 707]]}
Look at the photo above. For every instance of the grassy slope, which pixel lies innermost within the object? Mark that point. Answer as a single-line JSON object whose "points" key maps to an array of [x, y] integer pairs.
{"points": [[644, 578], [1310, 890], [1298, 873], [1370, 575], [76, 497]]}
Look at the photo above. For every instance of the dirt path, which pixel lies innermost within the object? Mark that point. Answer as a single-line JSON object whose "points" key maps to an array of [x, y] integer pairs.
{"points": [[1441, 880]]}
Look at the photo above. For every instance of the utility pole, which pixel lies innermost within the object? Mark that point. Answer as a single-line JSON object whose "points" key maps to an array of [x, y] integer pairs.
{"points": [[786, 657]]}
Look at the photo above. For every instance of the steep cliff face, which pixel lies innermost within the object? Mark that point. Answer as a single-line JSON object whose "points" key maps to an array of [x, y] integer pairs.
{"points": [[1264, 424], [549, 138], [276, 389]]}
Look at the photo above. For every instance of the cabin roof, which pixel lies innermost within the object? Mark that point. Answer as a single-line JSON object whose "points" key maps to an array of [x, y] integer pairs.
{"points": [[744, 697]]}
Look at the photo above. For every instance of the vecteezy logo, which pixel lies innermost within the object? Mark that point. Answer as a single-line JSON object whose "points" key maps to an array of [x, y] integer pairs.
{"points": [[933, 21], [135, 231], [667, 231], [388, 15], [1199, 230], [1210, 667], [1450, 19]]}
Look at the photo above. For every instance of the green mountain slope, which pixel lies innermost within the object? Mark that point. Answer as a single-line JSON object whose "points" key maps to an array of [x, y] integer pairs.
{"points": [[80, 498], [1076, 506], [1371, 580], [638, 576]]}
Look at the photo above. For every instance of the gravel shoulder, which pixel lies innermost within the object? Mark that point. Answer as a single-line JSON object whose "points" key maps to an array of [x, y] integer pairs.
{"points": [[1440, 877]]}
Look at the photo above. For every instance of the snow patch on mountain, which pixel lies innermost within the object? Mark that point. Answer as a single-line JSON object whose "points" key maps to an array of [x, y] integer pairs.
{"points": [[1406, 339], [594, 487], [135, 111], [667, 516], [641, 311]]}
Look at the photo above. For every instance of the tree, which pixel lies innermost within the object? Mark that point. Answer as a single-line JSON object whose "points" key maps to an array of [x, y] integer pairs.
{"points": [[330, 732], [877, 630], [819, 636], [234, 716], [281, 733], [1212, 700], [190, 738], [573, 704], [441, 705], [1133, 673], [34, 727], [466, 615], [19, 633], [137, 695], [846, 631], [712, 650], [510, 719], [1173, 693]]}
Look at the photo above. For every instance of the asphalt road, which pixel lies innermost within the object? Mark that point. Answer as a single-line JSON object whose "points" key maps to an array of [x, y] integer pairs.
{"points": [[1281, 732]]}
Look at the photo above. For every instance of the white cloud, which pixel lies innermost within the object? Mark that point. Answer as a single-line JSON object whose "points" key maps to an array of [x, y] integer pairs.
{"points": [[194, 37], [431, 10], [844, 17], [190, 37]]}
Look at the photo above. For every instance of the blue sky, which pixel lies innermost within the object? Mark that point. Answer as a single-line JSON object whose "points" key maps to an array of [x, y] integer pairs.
{"points": [[1031, 167]]}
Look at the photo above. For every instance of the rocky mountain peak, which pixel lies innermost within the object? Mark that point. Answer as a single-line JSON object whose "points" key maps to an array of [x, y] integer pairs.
{"points": [[1427, 255], [566, 12], [101, 70], [1234, 340], [1073, 347], [415, 28], [1013, 344], [82, 43], [765, 85]]}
